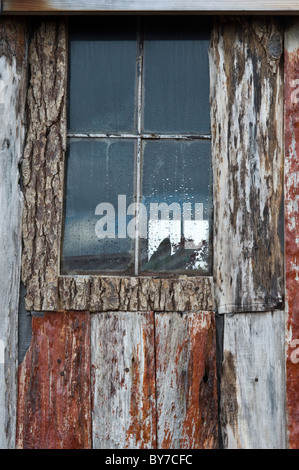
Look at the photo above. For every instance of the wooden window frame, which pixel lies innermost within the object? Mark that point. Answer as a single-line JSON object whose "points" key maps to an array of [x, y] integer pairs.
{"points": [[43, 178], [245, 277]]}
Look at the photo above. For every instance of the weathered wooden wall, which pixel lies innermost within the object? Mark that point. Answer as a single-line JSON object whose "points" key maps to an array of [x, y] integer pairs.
{"points": [[149, 379], [119, 380], [292, 227], [247, 146], [13, 82]]}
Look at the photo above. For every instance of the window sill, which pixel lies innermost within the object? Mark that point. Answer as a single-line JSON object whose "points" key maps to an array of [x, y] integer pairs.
{"points": [[108, 293]]}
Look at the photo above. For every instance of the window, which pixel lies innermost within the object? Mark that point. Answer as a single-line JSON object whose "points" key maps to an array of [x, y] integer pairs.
{"points": [[138, 171]]}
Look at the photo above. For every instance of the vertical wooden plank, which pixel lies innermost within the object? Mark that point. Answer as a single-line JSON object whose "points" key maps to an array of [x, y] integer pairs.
{"points": [[187, 409], [292, 227], [123, 380], [247, 152], [13, 80], [43, 164], [253, 381], [54, 410]]}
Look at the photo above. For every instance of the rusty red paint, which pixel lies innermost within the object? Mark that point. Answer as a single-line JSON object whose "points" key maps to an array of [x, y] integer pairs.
{"points": [[292, 239], [141, 428], [27, 6], [186, 387], [54, 409]]}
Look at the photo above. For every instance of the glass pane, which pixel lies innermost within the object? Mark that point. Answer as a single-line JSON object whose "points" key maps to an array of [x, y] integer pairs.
{"points": [[176, 75], [178, 176], [102, 71], [98, 172]]}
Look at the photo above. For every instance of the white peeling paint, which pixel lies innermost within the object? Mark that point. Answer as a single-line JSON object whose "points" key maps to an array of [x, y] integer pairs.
{"points": [[2, 352]]}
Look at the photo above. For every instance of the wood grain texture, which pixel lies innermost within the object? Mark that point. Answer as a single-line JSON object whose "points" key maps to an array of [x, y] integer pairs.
{"points": [[123, 380], [252, 407], [54, 409], [100, 294], [20, 6], [43, 165], [13, 80], [187, 408], [292, 227], [247, 156]]}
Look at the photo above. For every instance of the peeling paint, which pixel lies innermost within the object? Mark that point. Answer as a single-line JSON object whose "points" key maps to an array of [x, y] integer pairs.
{"points": [[54, 410], [247, 150], [291, 184], [123, 380], [187, 406]]}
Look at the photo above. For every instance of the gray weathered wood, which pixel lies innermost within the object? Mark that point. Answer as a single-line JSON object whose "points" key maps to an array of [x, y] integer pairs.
{"points": [[187, 407], [20, 6], [123, 380], [13, 76], [252, 410], [247, 155]]}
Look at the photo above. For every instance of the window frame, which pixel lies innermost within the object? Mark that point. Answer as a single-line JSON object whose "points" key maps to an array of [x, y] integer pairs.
{"points": [[47, 289], [243, 273]]}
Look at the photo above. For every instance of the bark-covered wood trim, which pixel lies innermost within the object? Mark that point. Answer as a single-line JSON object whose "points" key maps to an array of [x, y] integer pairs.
{"points": [[13, 88], [292, 228], [215, 6], [100, 294], [43, 164], [247, 156]]}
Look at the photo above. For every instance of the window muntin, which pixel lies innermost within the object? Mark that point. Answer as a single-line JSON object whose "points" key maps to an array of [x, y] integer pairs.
{"points": [[161, 132]]}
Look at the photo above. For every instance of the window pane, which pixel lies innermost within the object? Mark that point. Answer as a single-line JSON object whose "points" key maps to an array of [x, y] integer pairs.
{"points": [[97, 172], [102, 75], [176, 75], [179, 175]]}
